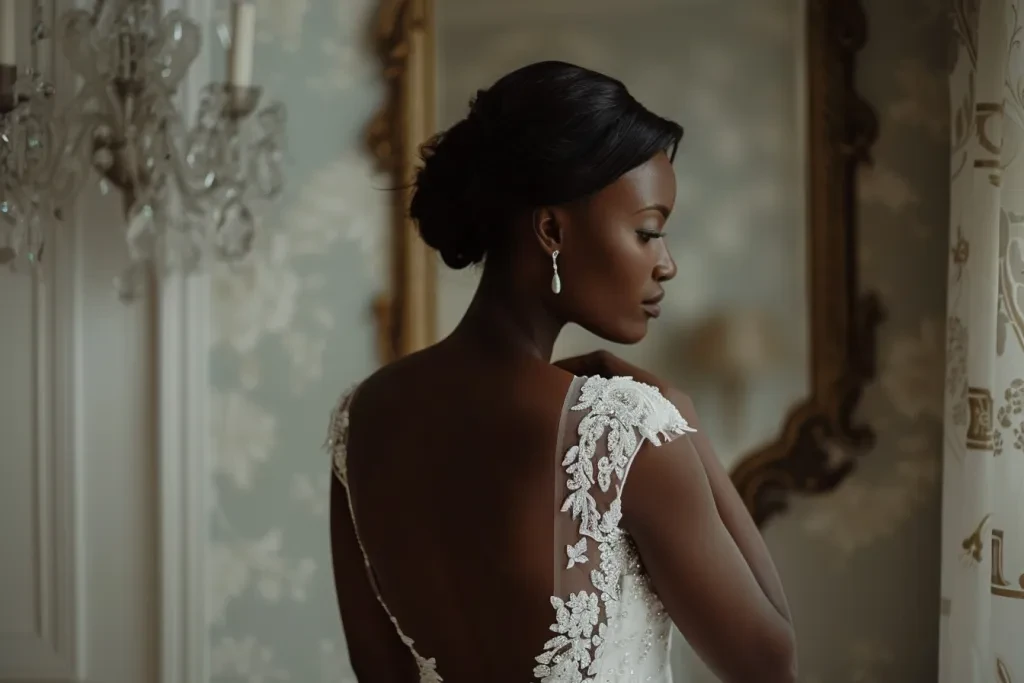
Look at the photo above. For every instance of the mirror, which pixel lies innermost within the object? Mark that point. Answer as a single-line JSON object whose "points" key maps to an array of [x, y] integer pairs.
{"points": [[764, 325], [729, 331]]}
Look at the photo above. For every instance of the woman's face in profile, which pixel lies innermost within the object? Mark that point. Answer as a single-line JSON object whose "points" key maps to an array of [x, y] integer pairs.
{"points": [[613, 259]]}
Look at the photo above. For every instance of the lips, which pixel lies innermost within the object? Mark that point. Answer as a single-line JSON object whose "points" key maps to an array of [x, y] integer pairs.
{"points": [[652, 306]]}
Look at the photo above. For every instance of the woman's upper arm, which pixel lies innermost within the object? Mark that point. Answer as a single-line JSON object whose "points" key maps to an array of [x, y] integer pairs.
{"points": [[375, 650], [698, 570]]}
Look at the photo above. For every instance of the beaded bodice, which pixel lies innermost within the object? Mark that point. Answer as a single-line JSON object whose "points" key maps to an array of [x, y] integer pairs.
{"points": [[608, 626]]}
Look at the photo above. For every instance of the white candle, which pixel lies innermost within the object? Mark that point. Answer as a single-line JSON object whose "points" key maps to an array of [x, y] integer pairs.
{"points": [[8, 55], [243, 34]]}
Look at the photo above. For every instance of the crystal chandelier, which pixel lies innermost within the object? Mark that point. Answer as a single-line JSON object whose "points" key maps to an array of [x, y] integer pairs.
{"points": [[188, 192], [27, 146]]}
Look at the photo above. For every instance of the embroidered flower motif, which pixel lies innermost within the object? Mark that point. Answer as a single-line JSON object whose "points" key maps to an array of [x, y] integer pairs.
{"points": [[577, 553], [428, 669], [624, 413], [575, 621], [337, 437]]}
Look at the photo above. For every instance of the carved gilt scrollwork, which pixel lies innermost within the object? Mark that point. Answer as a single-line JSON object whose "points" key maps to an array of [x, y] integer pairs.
{"points": [[405, 42], [820, 437]]}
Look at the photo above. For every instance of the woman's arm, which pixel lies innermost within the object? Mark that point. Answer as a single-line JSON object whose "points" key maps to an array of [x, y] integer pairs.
{"points": [[710, 589], [733, 512]]}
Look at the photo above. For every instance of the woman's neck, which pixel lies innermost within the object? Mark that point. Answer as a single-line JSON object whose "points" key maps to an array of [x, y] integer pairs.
{"points": [[507, 319]]}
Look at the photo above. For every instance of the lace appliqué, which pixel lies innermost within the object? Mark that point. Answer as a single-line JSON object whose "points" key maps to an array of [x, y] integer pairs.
{"points": [[337, 437], [624, 412], [337, 445]]}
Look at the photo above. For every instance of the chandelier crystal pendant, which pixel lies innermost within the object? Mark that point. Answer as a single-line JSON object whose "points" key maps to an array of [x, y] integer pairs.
{"points": [[28, 146], [188, 192]]}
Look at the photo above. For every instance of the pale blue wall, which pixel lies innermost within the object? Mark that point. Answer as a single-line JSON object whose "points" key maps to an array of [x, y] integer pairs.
{"points": [[292, 330]]}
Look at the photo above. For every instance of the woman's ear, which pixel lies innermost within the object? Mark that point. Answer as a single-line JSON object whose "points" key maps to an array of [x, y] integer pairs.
{"points": [[547, 228]]}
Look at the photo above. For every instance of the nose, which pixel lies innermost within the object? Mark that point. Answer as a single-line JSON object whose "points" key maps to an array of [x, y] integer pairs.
{"points": [[666, 268]]}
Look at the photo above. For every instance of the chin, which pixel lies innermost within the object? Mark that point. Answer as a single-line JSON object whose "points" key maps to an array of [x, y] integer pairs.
{"points": [[625, 332]]}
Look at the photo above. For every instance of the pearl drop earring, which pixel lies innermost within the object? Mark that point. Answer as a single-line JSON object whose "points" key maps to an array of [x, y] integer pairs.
{"points": [[556, 282]]}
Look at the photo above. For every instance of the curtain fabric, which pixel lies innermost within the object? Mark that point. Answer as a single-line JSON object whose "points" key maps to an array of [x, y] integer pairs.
{"points": [[982, 622]]}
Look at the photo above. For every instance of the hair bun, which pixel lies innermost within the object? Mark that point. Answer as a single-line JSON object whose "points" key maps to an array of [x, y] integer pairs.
{"points": [[452, 195]]}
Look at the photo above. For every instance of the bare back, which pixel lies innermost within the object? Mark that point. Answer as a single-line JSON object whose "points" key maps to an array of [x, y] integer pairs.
{"points": [[450, 469], [487, 503]]}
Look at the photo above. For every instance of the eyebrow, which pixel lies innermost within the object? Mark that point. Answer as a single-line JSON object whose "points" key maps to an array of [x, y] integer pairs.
{"points": [[660, 208]]}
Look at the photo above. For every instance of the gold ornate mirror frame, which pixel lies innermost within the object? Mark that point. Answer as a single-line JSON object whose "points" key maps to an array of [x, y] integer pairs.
{"points": [[811, 454]]}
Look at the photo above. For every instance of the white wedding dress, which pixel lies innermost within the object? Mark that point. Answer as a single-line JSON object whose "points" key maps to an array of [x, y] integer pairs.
{"points": [[608, 624]]}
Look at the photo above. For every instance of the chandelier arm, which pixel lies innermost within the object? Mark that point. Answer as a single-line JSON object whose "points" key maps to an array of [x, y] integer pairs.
{"points": [[186, 186]]}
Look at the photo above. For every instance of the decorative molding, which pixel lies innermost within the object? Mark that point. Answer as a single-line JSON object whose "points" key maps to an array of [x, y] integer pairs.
{"points": [[57, 652], [183, 450], [182, 333], [843, 320]]}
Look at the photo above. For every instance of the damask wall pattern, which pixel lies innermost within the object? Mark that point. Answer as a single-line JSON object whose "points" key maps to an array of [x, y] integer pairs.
{"points": [[293, 328]]}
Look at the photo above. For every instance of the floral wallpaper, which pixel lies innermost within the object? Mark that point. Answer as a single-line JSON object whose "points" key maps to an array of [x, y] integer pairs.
{"points": [[293, 327]]}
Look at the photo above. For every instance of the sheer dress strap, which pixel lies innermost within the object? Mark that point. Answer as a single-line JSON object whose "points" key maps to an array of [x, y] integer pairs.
{"points": [[337, 446]]}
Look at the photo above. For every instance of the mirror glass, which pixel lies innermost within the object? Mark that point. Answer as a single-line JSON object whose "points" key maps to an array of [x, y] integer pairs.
{"points": [[734, 326]]}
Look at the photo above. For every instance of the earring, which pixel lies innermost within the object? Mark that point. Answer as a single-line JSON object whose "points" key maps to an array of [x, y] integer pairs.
{"points": [[556, 282]]}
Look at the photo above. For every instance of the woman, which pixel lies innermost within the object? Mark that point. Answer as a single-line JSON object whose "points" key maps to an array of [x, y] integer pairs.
{"points": [[497, 540]]}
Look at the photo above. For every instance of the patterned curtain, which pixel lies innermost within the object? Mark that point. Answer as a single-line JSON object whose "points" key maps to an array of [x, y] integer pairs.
{"points": [[982, 625]]}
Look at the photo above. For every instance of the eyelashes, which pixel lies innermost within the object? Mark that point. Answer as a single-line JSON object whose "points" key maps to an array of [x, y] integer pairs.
{"points": [[648, 235]]}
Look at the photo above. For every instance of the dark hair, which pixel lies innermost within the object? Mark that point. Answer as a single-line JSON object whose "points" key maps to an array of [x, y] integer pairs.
{"points": [[547, 134]]}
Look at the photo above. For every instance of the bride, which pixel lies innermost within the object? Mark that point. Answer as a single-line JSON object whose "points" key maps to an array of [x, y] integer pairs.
{"points": [[496, 517]]}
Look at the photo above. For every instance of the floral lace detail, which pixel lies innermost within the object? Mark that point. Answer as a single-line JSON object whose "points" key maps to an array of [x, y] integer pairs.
{"points": [[337, 446], [624, 412], [337, 437]]}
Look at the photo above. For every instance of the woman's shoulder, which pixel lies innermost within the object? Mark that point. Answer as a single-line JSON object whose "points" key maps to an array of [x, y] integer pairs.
{"points": [[428, 381], [537, 390], [633, 403]]}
